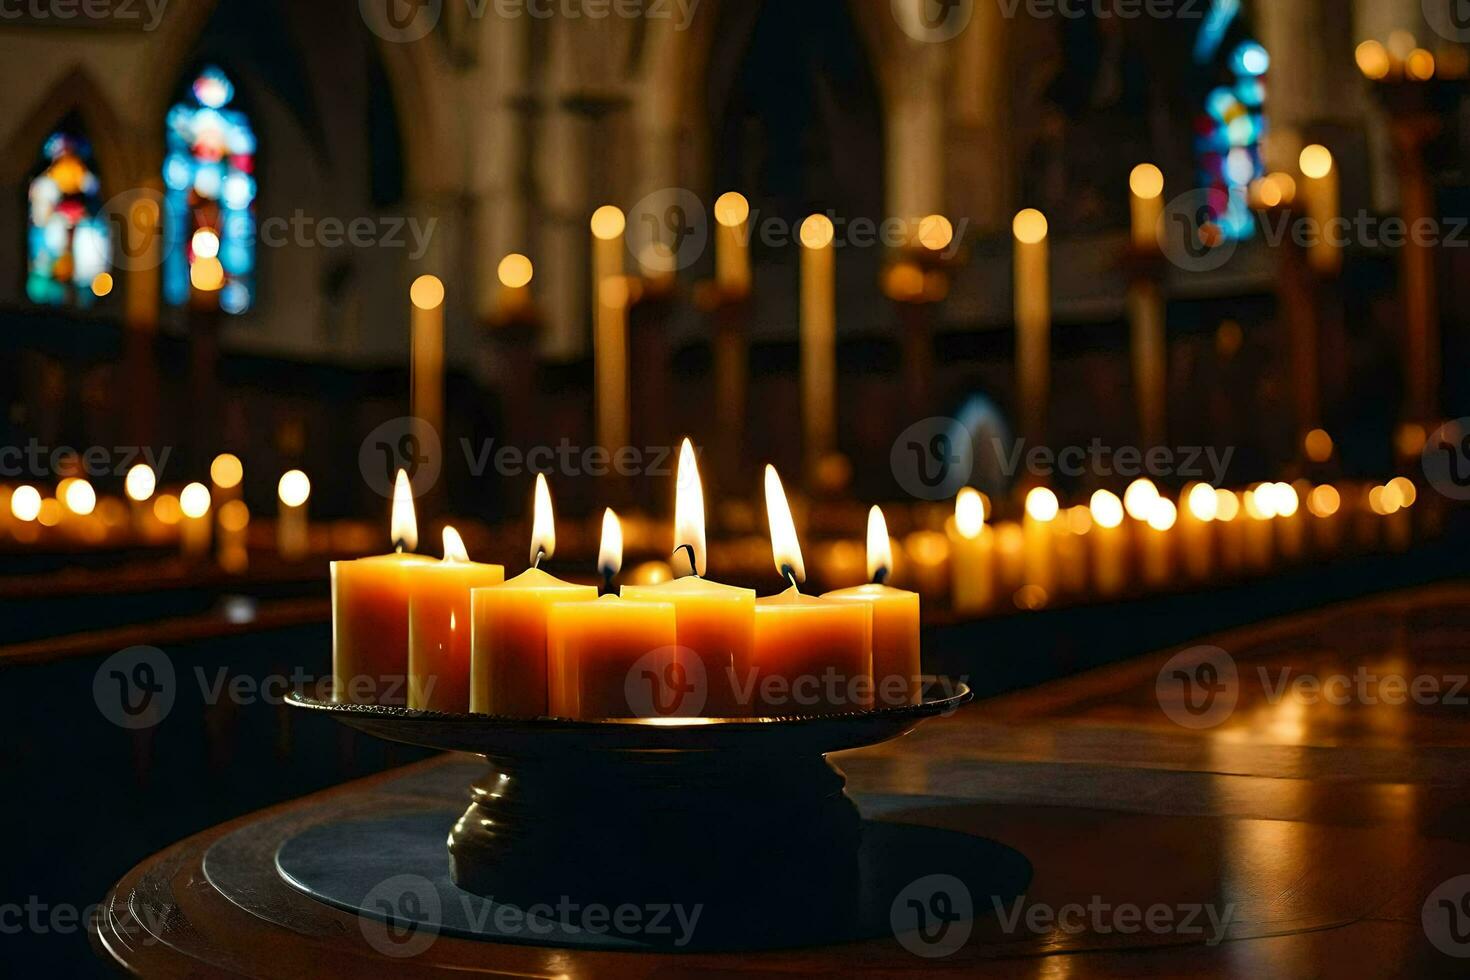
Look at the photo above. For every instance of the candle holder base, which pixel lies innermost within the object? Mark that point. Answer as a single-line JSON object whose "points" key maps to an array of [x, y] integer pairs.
{"points": [[724, 813]]}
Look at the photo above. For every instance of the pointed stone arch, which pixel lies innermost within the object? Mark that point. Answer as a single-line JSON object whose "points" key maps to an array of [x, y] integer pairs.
{"points": [[76, 93]]}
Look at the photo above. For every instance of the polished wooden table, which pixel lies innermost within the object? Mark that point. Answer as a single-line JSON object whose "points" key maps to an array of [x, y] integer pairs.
{"points": [[1178, 821]]}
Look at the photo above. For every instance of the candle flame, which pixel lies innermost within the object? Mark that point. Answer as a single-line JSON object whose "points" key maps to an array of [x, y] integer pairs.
{"points": [[610, 555], [969, 513], [404, 524], [543, 522], [689, 507], [880, 549], [785, 548], [454, 549]]}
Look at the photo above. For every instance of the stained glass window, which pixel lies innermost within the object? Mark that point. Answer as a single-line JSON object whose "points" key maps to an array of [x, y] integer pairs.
{"points": [[209, 196], [1232, 121], [68, 242]]}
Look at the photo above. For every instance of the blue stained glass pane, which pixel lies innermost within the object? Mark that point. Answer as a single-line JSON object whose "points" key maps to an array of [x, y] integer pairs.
{"points": [[68, 242], [1228, 138], [208, 174]]}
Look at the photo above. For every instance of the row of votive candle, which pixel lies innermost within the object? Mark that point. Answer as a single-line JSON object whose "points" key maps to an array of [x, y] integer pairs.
{"points": [[456, 636]]}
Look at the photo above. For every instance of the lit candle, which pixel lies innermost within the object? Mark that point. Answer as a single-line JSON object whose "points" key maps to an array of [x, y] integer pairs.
{"points": [[896, 670], [1322, 199], [1258, 536], [226, 473], [195, 532], [1290, 527], [139, 485], [1158, 551], [1010, 558], [1072, 531], [811, 655], [370, 614], [1324, 503], [1033, 320], [1042, 508], [1109, 543], [439, 626], [818, 338], [609, 658], [1146, 186], [716, 622], [732, 248], [508, 626], [1196, 529], [293, 537], [427, 369], [610, 326], [972, 555], [1231, 532], [515, 272]]}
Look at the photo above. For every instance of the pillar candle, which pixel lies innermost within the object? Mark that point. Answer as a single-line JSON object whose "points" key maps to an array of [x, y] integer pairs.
{"points": [[439, 626], [1041, 510], [427, 354], [1157, 537], [1071, 550], [1033, 321], [1230, 531], [195, 531], [895, 612], [508, 663], [1146, 196], [1290, 523], [1197, 530], [1010, 559], [1258, 535], [370, 615], [1321, 198], [732, 250], [818, 338], [716, 622], [514, 272], [972, 555], [293, 536], [609, 658], [810, 655]]}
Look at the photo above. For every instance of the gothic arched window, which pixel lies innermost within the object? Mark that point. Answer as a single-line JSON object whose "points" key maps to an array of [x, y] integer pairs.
{"points": [[67, 244], [209, 196]]}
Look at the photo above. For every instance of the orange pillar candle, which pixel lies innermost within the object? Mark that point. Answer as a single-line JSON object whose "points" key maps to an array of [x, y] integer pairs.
{"points": [[716, 622], [896, 672], [508, 627], [439, 626], [370, 615], [608, 658], [811, 655], [1109, 544], [972, 558]]}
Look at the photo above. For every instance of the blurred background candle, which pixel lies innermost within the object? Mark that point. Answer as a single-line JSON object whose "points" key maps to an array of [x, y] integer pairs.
{"points": [[610, 326], [139, 485], [818, 338], [811, 656], [226, 473], [732, 249], [439, 626], [1033, 321], [1158, 542], [1041, 510], [1290, 527], [514, 273], [370, 614], [233, 548], [1321, 199], [1146, 198], [293, 536], [1230, 531], [716, 622], [1324, 503], [896, 669], [508, 632], [1109, 542], [1259, 512], [972, 555], [426, 380], [1196, 530], [1073, 527], [195, 532]]}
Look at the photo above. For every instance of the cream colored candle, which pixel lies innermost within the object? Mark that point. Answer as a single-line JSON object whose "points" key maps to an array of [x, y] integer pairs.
{"points": [[370, 614], [508, 665], [1033, 321], [716, 622], [811, 655], [972, 555], [896, 671], [439, 626], [732, 248], [818, 338]]}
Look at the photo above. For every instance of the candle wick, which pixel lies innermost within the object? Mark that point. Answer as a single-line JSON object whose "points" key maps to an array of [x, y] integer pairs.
{"points": [[607, 579], [790, 574], [540, 554], [881, 575], [684, 553]]}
